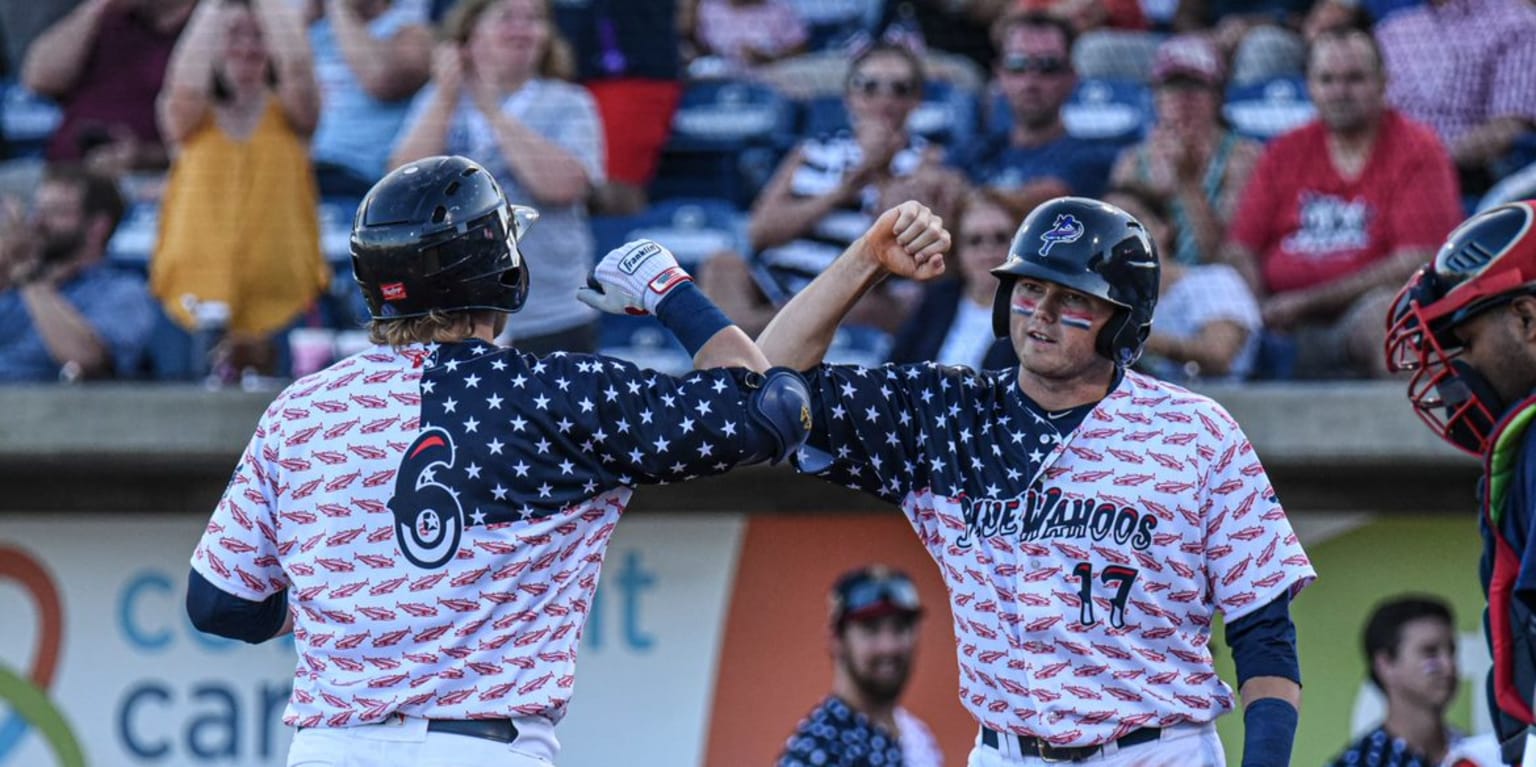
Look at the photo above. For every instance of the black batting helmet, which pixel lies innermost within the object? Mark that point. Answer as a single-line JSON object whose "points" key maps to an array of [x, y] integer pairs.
{"points": [[438, 234], [1485, 263], [1094, 248]]}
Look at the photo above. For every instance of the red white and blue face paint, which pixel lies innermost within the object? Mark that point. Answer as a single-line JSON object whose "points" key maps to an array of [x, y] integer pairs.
{"points": [[1073, 310]]}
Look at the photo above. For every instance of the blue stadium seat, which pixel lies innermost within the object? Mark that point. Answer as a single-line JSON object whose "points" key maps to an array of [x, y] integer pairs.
{"points": [[720, 127], [725, 114], [693, 229], [26, 120], [1267, 109], [134, 241], [1113, 110], [643, 341]]}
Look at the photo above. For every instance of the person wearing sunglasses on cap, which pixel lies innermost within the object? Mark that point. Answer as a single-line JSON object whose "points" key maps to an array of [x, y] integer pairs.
{"points": [[874, 618], [1031, 157], [827, 192]]}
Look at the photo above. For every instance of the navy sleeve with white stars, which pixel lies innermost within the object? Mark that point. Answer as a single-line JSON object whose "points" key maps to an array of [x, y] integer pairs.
{"points": [[833, 735], [891, 429], [543, 433]]}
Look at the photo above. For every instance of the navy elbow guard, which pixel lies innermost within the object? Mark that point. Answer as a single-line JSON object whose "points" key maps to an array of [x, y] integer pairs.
{"points": [[781, 404]]}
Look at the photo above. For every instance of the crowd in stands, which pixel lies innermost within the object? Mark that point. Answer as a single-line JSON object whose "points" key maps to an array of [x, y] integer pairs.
{"points": [[178, 176]]}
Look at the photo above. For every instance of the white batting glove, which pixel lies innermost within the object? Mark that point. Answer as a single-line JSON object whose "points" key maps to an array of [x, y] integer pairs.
{"points": [[632, 279]]}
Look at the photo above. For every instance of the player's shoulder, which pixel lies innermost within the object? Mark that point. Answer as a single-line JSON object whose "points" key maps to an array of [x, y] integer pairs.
{"points": [[1170, 401]]}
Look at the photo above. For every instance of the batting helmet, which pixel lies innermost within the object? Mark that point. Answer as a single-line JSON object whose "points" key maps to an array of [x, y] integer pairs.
{"points": [[438, 234], [1094, 248], [1486, 262]]}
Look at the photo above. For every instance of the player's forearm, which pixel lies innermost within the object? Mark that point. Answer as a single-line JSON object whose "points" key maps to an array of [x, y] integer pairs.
{"points": [[1279, 687], [798, 337]]}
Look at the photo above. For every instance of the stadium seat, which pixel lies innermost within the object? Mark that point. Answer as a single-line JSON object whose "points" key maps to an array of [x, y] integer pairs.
{"points": [[693, 229], [643, 341], [1267, 109], [719, 127], [134, 241], [1112, 110], [26, 120]]}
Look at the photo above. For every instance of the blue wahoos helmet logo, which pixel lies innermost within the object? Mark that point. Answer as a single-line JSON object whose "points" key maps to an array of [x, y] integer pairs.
{"points": [[1065, 229]]}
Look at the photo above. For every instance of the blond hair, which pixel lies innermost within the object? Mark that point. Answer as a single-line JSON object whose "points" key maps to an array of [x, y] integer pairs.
{"points": [[434, 327], [558, 61]]}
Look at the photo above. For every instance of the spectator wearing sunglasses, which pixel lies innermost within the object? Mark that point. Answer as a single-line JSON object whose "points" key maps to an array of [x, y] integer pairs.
{"points": [[1190, 158], [1035, 159], [826, 192], [874, 616], [953, 324]]}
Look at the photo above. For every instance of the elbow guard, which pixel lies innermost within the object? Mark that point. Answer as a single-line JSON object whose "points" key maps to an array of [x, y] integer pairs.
{"points": [[780, 405]]}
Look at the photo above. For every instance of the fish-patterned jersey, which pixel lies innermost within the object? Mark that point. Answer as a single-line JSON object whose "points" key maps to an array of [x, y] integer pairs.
{"points": [[1083, 568], [438, 516]]}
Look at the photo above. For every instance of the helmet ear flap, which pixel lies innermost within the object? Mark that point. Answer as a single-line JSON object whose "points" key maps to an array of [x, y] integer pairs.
{"points": [[1000, 307], [517, 281], [1120, 339]]}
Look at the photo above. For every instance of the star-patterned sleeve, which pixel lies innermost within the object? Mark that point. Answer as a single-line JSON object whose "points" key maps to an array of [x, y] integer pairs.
{"points": [[541, 434], [1252, 554], [238, 550], [871, 426]]}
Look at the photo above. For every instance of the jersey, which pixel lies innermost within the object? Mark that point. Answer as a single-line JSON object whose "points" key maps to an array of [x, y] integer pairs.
{"points": [[1378, 748], [1085, 565], [834, 735], [438, 517]]}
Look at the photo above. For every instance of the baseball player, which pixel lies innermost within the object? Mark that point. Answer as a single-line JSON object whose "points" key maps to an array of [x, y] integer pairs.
{"points": [[1465, 325], [429, 516], [1088, 521]]}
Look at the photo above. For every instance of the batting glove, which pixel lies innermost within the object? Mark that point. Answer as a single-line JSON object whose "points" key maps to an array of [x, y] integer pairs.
{"points": [[633, 279]]}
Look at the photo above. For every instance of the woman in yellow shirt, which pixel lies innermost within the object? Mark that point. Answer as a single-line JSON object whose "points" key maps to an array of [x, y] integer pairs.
{"points": [[239, 222]]}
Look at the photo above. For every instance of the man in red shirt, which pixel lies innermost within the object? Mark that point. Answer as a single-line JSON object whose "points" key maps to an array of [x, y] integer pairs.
{"points": [[1340, 211]]}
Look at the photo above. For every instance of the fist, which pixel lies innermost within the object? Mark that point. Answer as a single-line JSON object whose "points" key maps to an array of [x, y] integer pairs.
{"points": [[909, 240], [633, 279]]}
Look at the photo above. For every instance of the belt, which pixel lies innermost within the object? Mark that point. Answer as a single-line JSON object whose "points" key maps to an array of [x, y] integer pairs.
{"points": [[499, 730], [1032, 746]]}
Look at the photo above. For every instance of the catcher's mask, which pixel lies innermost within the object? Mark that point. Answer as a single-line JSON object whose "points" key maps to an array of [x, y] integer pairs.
{"points": [[1487, 262]]}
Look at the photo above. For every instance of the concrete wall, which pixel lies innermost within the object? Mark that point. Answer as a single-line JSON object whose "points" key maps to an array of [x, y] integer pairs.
{"points": [[1354, 446]]}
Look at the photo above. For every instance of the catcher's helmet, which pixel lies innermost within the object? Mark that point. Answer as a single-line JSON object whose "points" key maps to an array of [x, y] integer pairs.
{"points": [[1486, 262], [1092, 247], [439, 234]]}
